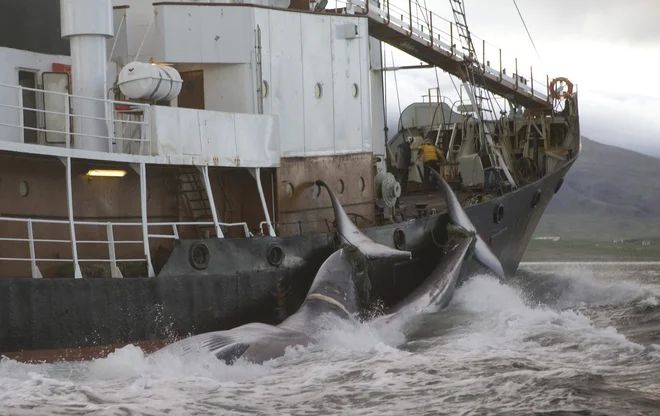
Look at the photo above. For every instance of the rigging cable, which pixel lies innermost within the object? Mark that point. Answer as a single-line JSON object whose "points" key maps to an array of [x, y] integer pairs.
{"points": [[530, 36], [396, 86], [383, 77]]}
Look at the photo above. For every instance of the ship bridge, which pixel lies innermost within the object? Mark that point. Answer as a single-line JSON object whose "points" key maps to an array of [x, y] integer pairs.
{"points": [[432, 39]]}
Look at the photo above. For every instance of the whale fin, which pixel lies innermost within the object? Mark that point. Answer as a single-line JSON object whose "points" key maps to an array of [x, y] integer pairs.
{"points": [[482, 252], [351, 235], [230, 353]]}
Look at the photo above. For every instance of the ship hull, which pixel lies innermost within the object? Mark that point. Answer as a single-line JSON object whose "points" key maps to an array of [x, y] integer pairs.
{"points": [[246, 280]]}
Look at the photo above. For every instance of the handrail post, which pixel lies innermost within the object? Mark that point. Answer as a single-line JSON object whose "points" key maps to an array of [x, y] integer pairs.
{"points": [[431, 27], [142, 171], [451, 38], [410, 15], [67, 120], [114, 270], [483, 54], [547, 86], [209, 193], [110, 125], [500, 64], [72, 226], [388, 11], [257, 176], [36, 274], [531, 76], [517, 75], [145, 131], [21, 122]]}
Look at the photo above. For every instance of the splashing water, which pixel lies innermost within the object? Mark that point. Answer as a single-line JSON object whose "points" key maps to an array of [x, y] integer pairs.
{"points": [[554, 338]]}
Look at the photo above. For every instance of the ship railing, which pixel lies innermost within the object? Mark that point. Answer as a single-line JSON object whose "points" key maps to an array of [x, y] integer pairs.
{"points": [[436, 32], [110, 241], [124, 128]]}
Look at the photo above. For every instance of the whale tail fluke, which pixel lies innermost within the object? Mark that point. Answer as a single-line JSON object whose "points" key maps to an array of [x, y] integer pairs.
{"points": [[349, 234], [481, 251]]}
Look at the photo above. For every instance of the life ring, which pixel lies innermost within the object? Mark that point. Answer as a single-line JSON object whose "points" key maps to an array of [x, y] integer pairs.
{"points": [[554, 93]]}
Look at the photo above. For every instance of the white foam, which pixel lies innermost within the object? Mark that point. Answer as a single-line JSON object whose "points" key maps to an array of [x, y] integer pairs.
{"points": [[492, 343]]}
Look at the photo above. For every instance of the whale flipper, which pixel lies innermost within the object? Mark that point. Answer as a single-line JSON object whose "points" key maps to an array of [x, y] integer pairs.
{"points": [[351, 235], [482, 252], [230, 353]]}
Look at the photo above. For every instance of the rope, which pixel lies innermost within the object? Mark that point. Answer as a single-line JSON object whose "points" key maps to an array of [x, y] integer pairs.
{"points": [[530, 36]]}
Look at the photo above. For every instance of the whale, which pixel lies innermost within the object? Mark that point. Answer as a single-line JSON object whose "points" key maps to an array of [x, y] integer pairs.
{"points": [[338, 289], [482, 251], [341, 288], [436, 291]]}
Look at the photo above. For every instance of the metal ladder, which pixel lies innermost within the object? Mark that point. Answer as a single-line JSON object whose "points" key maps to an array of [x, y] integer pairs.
{"points": [[193, 192], [481, 99]]}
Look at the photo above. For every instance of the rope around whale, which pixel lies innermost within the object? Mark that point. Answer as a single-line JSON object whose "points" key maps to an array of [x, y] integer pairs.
{"points": [[329, 300]]}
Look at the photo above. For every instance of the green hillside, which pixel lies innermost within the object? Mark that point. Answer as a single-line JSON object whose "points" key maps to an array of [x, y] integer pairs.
{"points": [[610, 193]]}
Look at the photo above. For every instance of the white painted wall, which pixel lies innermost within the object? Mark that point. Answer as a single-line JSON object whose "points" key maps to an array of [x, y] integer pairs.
{"points": [[301, 50], [298, 51], [215, 138]]}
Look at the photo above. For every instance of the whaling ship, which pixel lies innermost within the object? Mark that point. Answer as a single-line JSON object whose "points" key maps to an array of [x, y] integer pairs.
{"points": [[158, 160]]}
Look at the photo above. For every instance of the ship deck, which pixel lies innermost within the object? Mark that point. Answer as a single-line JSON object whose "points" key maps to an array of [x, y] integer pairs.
{"points": [[415, 202]]}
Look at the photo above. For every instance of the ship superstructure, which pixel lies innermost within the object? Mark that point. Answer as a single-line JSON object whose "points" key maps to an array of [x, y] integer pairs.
{"points": [[180, 142]]}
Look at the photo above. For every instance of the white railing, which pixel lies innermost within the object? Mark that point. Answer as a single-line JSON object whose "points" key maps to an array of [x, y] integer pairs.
{"points": [[110, 241], [125, 128], [437, 32]]}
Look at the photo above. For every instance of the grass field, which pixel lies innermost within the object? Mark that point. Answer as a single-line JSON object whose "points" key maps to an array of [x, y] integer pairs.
{"points": [[589, 250]]}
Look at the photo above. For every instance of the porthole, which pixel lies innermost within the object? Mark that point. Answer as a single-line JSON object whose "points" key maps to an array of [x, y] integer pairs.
{"points": [[399, 238], [559, 184], [264, 89], [362, 184], [498, 214], [198, 256], [23, 189], [355, 90], [275, 256], [318, 90], [289, 190], [340, 186]]}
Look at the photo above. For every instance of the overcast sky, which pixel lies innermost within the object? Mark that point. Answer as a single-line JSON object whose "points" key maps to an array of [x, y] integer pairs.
{"points": [[609, 48]]}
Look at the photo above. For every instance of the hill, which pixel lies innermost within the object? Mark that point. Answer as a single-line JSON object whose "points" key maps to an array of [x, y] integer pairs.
{"points": [[610, 193]]}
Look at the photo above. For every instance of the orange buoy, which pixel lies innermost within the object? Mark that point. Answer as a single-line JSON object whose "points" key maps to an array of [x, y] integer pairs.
{"points": [[557, 83]]}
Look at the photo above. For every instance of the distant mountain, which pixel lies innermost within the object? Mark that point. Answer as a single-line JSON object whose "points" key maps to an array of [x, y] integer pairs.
{"points": [[610, 193]]}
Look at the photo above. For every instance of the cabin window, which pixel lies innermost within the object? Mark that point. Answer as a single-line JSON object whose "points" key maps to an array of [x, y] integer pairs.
{"points": [[28, 79]]}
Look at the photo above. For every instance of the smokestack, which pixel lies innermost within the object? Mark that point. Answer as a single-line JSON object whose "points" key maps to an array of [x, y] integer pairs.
{"points": [[87, 24]]}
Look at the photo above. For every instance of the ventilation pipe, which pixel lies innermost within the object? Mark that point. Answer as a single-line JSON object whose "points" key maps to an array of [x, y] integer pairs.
{"points": [[87, 24]]}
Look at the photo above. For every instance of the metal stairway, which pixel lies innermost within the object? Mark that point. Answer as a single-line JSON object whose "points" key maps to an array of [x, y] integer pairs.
{"points": [[193, 192], [481, 99], [399, 27]]}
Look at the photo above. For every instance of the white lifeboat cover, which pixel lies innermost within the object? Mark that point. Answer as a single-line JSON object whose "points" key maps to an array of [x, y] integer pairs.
{"points": [[151, 82]]}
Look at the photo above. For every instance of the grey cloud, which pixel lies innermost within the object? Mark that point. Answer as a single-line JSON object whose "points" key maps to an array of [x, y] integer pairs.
{"points": [[630, 21]]}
